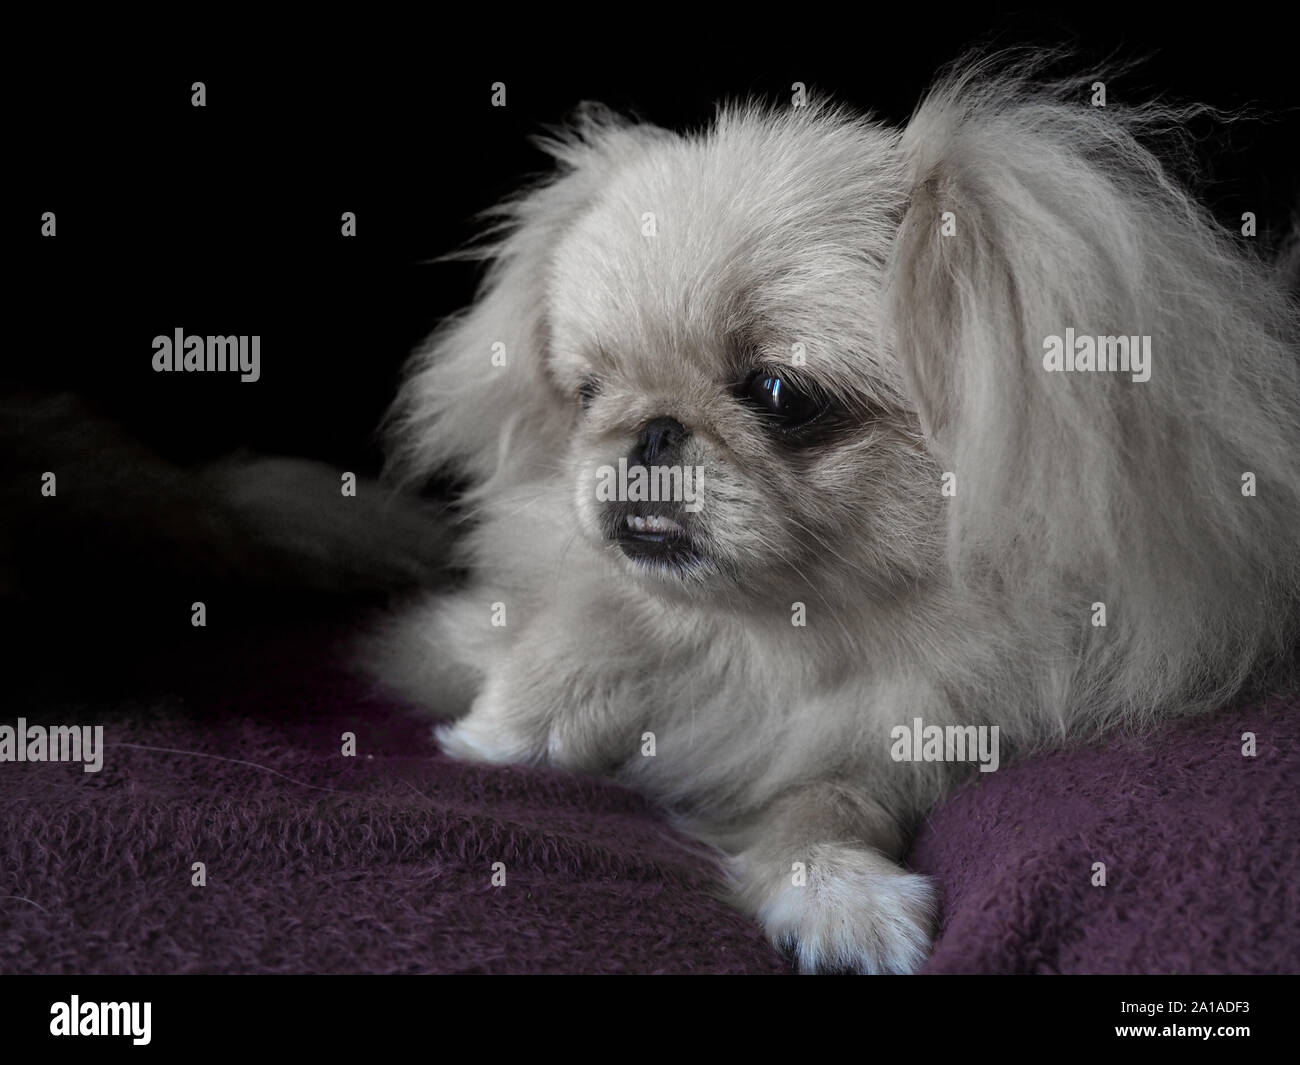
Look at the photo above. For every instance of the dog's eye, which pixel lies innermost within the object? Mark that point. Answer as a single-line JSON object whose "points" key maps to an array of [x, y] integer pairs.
{"points": [[781, 397], [587, 391]]}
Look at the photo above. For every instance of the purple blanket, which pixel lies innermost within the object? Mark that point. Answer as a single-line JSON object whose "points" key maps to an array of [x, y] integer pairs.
{"points": [[385, 862]]}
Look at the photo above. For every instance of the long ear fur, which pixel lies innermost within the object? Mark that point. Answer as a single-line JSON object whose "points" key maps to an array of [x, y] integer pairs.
{"points": [[1085, 487], [459, 411]]}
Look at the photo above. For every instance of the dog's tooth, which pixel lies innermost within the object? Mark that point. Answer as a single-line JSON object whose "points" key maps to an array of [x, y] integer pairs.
{"points": [[652, 523]]}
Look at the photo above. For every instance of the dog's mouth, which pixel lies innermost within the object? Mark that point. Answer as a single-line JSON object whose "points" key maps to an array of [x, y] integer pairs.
{"points": [[652, 537], [651, 528]]}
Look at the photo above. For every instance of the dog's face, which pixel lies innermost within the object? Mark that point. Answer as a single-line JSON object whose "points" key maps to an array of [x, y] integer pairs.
{"points": [[716, 311]]}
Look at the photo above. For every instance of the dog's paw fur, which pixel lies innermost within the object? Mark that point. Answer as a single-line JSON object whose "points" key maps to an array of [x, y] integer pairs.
{"points": [[856, 911], [486, 734]]}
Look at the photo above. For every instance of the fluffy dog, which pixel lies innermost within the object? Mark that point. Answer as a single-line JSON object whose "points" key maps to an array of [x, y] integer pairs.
{"points": [[921, 497]]}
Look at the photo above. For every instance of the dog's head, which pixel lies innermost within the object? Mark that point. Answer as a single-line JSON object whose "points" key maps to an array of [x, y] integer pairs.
{"points": [[692, 329], [715, 338]]}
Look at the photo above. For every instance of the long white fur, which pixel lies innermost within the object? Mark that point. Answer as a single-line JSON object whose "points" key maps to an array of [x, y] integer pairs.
{"points": [[781, 225]]}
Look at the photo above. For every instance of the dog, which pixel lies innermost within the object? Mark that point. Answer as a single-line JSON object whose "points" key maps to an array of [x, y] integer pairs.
{"points": [[993, 430]]}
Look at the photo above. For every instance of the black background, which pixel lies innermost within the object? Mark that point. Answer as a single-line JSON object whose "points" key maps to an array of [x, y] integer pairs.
{"points": [[226, 219]]}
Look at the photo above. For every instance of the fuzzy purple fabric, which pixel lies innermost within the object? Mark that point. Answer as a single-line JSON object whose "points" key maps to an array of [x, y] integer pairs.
{"points": [[1200, 844], [384, 862]]}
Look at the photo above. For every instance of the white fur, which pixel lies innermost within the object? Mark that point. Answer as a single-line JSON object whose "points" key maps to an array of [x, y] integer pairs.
{"points": [[814, 226]]}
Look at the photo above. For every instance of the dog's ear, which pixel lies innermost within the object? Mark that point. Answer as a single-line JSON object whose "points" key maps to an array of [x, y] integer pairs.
{"points": [[476, 401], [1017, 228], [1026, 215], [1033, 214]]}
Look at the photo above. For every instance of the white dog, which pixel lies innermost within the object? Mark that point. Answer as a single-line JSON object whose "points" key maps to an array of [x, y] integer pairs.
{"points": [[991, 425]]}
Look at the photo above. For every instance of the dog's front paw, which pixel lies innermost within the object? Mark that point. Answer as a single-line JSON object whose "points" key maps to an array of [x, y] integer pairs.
{"points": [[850, 909], [471, 745], [486, 734]]}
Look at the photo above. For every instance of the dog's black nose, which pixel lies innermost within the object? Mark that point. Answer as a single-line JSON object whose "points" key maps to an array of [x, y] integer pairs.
{"points": [[660, 438]]}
